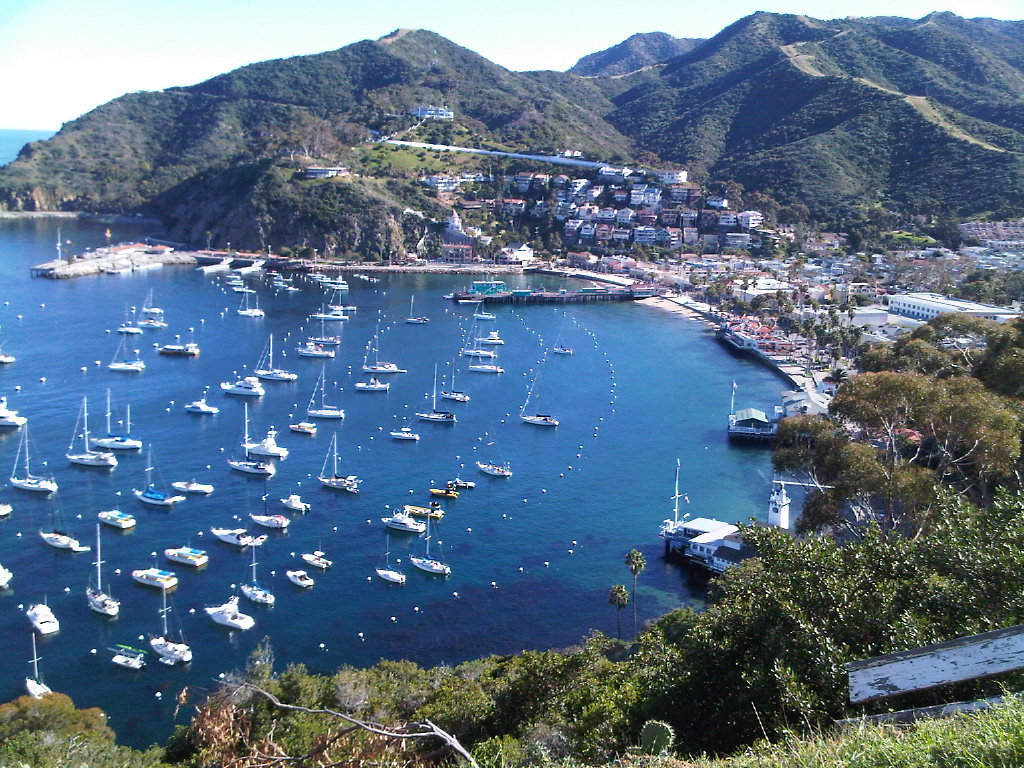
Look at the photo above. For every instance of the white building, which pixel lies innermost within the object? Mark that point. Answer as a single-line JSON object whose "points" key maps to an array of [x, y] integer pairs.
{"points": [[671, 177], [925, 306], [430, 112], [750, 219]]}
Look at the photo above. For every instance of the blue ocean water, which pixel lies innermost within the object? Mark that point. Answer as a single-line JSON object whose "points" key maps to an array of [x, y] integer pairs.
{"points": [[533, 556], [12, 140]]}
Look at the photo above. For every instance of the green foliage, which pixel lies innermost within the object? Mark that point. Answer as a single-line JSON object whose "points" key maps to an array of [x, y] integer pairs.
{"points": [[656, 737], [635, 52]]}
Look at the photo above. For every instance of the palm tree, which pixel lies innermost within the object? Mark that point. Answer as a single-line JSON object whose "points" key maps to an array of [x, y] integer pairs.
{"points": [[619, 597], [635, 562]]}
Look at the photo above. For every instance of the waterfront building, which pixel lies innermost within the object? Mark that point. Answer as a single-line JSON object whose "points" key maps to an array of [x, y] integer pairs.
{"points": [[926, 306]]}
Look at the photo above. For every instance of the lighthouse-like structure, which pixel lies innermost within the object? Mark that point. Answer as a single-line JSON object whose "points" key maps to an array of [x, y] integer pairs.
{"points": [[778, 506]]}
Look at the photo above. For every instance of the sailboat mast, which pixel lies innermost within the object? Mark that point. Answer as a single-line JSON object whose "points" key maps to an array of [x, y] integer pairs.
{"points": [[675, 510], [99, 561], [109, 431], [433, 398], [35, 654], [163, 611]]}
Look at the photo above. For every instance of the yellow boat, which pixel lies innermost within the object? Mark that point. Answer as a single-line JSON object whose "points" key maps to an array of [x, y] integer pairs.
{"points": [[448, 493], [434, 510]]}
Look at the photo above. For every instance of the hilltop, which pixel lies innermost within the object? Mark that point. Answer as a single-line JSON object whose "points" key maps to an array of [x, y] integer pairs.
{"points": [[922, 116]]}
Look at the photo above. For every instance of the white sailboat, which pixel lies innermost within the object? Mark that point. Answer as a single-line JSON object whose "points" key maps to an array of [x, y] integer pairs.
{"points": [[34, 685], [245, 310], [333, 480], [324, 411], [152, 495], [428, 563], [169, 651], [152, 317], [265, 367], [246, 463], [404, 433], [253, 590], [669, 527], [480, 314], [128, 326], [412, 319], [443, 417], [388, 573], [100, 601], [28, 481], [325, 339], [118, 441], [378, 366], [88, 457], [454, 393], [122, 363], [495, 468], [538, 419]]}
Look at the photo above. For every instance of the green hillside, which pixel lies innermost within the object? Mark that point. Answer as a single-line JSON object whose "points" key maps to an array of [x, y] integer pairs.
{"points": [[635, 52]]}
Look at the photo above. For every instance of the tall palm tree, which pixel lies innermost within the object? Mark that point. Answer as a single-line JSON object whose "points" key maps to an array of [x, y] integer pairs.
{"points": [[619, 597], [635, 562]]}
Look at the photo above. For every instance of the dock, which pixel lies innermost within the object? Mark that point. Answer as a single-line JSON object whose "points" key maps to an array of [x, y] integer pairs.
{"points": [[112, 260], [496, 292]]}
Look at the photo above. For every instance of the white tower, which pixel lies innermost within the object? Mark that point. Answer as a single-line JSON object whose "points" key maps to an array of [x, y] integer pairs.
{"points": [[778, 507]]}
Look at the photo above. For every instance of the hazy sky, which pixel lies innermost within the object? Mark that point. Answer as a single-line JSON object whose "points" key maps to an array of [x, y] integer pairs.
{"points": [[60, 58]]}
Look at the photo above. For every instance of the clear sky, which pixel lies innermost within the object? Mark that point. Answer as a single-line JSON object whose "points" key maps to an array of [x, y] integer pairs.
{"points": [[61, 58]]}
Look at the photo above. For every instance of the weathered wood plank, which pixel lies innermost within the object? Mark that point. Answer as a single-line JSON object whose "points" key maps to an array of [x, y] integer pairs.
{"points": [[929, 666], [923, 713]]}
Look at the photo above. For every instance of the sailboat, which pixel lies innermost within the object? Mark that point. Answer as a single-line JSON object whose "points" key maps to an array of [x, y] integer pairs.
{"points": [[30, 482], [151, 494], [246, 464], [247, 311], [480, 314], [253, 590], [387, 572], [122, 363], [324, 340], [669, 527], [100, 601], [377, 366], [265, 367], [152, 317], [539, 419], [58, 538], [412, 319], [325, 411], [453, 393], [128, 326], [502, 469], [34, 685], [348, 483], [429, 564], [118, 441], [170, 652], [444, 417], [88, 457]]}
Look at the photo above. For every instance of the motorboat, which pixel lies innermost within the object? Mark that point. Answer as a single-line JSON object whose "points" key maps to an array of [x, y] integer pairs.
{"points": [[10, 418], [373, 385], [313, 349], [188, 349], [115, 518], [238, 536], [296, 504], [497, 470], [404, 433], [448, 492], [99, 601], [117, 441], [485, 368], [403, 521], [252, 467], [324, 341], [202, 407], [303, 427], [560, 350], [479, 315], [267, 447], [5, 510], [248, 386], [192, 486], [434, 511], [128, 657], [228, 615], [28, 481], [316, 559], [335, 481], [485, 353], [492, 338], [329, 315], [197, 558], [271, 521], [300, 579], [265, 366], [6, 574], [42, 619], [61, 540], [88, 457], [155, 577]]}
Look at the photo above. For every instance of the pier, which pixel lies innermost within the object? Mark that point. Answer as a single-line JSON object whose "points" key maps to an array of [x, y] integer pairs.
{"points": [[113, 260]]}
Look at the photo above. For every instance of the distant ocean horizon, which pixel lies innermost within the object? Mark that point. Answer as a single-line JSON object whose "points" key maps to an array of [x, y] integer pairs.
{"points": [[13, 139]]}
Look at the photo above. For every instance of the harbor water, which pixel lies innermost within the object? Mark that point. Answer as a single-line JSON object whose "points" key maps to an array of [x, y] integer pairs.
{"points": [[533, 556]]}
